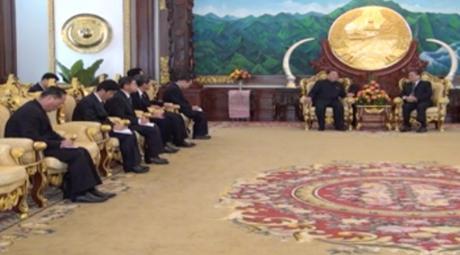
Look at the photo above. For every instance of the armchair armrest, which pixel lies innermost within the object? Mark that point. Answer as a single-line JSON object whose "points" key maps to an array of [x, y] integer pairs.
{"points": [[398, 101], [444, 101], [74, 131], [118, 120]]}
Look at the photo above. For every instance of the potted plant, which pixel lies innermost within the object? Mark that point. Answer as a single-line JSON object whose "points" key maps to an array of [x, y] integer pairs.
{"points": [[86, 76]]}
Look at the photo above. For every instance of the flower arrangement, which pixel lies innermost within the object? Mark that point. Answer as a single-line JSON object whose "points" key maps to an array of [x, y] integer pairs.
{"points": [[372, 94], [240, 75]]}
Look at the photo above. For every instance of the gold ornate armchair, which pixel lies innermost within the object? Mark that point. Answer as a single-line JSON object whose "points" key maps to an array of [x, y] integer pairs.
{"points": [[308, 109], [95, 132], [435, 114], [90, 135], [14, 183], [31, 157]]}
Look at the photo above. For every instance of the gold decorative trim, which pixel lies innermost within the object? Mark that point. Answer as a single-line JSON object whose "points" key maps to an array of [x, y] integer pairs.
{"points": [[16, 199], [164, 70], [214, 79], [127, 35], [162, 5], [51, 37]]}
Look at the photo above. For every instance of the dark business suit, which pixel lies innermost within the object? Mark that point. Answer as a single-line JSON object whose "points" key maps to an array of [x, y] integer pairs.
{"points": [[353, 89], [172, 125], [325, 94], [121, 106], [91, 109], [36, 88], [423, 92], [31, 121], [173, 94]]}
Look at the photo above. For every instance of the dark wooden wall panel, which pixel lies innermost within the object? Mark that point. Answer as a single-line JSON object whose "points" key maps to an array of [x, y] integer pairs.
{"points": [[7, 39], [180, 19], [145, 34]]}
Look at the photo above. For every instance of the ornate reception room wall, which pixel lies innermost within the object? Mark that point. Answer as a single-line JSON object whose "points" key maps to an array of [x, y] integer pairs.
{"points": [[42, 39]]}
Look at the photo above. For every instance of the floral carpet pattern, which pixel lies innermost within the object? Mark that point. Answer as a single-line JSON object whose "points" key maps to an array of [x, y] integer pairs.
{"points": [[404, 207]]}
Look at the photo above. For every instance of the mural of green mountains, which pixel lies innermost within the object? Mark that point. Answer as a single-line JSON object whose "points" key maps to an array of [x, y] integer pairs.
{"points": [[259, 43]]}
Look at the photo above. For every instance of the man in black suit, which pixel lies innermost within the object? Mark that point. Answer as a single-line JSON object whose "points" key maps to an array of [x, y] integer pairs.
{"points": [[158, 118], [91, 108], [135, 71], [417, 96], [327, 93], [47, 80], [120, 105], [172, 123], [31, 121], [173, 94]]}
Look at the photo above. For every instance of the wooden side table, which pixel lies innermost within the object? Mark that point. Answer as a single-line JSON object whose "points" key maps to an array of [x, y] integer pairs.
{"points": [[374, 116]]}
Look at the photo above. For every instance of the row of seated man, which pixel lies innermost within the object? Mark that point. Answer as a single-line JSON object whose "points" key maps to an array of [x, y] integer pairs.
{"points": [[110, 99], [329, 92]]}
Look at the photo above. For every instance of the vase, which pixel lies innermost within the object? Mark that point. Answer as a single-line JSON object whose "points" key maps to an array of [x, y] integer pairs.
{"points": [[240, 84]]}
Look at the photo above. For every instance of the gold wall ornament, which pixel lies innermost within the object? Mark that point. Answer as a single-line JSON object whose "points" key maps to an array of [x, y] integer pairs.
{"points": [[214, 79], [164, 70], [86, 33], [370, 38]]}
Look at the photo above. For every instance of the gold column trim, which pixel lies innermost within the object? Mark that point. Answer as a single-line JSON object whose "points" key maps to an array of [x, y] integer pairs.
{"points": [[162, 5], [164, 70], [126, 35], [51, 37]]}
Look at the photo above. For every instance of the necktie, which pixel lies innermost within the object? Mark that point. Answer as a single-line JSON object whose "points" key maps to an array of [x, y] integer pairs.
{"points": [[413, 88]]}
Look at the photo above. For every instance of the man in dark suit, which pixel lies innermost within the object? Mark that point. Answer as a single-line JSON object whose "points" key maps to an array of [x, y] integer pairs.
{"points": [[91, 108], [164, 124], [31, 121], [327, 93], [47, 80], [135, 71], [120, 105], [173, 94], [352, 92], [417, 96], [172, 123]]}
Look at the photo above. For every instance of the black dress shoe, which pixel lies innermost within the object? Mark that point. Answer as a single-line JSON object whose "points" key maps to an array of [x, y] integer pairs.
{"points": [[405, 129], [157, 160], [187, 145], [202, 137], [99, 193], [422, 130], [341, 129], [321, 129], [138, 170], [169, 149], [88, 198]]}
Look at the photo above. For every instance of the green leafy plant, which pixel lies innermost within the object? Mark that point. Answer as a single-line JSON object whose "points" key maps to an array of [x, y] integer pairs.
{"points": [[86, 76]]}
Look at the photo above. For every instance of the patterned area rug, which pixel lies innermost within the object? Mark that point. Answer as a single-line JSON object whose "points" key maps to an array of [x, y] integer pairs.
{"points": [[12, 229], [409, 208]]}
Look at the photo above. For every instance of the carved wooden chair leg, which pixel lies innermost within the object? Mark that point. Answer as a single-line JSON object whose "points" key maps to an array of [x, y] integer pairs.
{"points": [[39, 183], [104, 163], [22, 208]]}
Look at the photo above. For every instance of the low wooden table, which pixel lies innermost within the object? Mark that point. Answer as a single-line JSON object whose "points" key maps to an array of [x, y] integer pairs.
{"points": [[374, 116]]}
